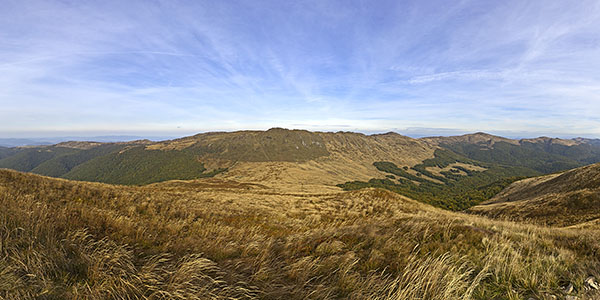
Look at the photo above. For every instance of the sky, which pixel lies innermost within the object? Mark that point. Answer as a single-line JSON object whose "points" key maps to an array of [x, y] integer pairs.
{"points": [[158, 68]]}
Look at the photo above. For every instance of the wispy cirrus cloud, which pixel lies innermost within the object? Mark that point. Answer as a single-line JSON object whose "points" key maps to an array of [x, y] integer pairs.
{"points": [[185, 66]]}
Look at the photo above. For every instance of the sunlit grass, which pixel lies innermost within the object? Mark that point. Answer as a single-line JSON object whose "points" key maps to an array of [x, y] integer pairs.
{"points": [[74, 240]]}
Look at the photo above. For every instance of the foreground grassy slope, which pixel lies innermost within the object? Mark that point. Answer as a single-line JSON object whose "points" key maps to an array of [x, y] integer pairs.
{"points": [[565, 198], [212, 239]]}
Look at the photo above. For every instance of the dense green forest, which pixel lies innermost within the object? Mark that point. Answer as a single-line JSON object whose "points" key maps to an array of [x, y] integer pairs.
{"points": [[460, 188], [450, 190], [5, 152], [117, 163], [140, 166], [26, 159], [62, 164], [542, 157]]}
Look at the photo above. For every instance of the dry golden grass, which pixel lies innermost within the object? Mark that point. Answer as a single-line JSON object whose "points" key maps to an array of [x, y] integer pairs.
{"points": [[343, 157], [211, 239], [562, 199]]}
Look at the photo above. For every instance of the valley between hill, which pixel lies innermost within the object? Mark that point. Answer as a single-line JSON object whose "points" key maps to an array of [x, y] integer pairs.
{"points": [[301, 215], [566, 198], [449, 172]]}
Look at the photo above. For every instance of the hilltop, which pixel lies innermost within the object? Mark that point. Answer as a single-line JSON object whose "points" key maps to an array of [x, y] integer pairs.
{"points": [[481, 138], [277, 156], [565, 198], [450, 172]]}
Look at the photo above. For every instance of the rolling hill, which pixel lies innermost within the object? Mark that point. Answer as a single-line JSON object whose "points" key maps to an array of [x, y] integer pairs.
{"points": [[296, 214], [449, 172], [5, 152], [564, 199], [276, 156], [212, 238], [469, 169], [545, 155]]}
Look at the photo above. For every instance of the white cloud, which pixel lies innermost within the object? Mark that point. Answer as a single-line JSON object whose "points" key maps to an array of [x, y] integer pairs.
{"points": [[120, 66]]}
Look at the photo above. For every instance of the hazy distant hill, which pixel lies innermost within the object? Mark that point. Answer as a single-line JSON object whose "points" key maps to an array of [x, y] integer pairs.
{"points": [[4, 142], [43, 141], [565, 198]]}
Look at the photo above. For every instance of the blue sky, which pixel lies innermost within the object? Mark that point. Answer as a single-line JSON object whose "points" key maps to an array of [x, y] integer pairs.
{"points": [[516, 68]]}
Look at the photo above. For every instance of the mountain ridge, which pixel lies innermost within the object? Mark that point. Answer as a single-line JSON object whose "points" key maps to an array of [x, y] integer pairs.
{"points": [[293, 160]]}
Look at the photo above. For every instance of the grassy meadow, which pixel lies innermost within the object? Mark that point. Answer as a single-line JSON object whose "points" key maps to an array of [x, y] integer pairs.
{"points": [[212, 239]]}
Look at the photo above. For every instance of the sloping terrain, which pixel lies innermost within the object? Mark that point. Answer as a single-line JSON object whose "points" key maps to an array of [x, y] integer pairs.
{"points": [[26, 159], [217, 239], [545, 155], [351, 157], [254, 146], [564, 199], [5, 152], [449, 172], [277, 157], [480, 138], [448, 180], [57, 160]]}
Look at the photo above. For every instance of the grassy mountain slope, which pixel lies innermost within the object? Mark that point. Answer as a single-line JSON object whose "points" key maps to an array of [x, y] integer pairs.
{"points": [[448, 180], [276, 156], [287, 157], [469, 170], [253, 146], [565, 198], [545, 155], [220, 239], [351, 157]]}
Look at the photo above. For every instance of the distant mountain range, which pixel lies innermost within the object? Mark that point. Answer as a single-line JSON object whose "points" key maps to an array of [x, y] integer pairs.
{"points": [[20, 142], [453, 172]]}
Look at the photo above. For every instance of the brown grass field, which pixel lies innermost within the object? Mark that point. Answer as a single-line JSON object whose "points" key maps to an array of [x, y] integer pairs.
{"points": [[562, 199], [218, 239]]}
